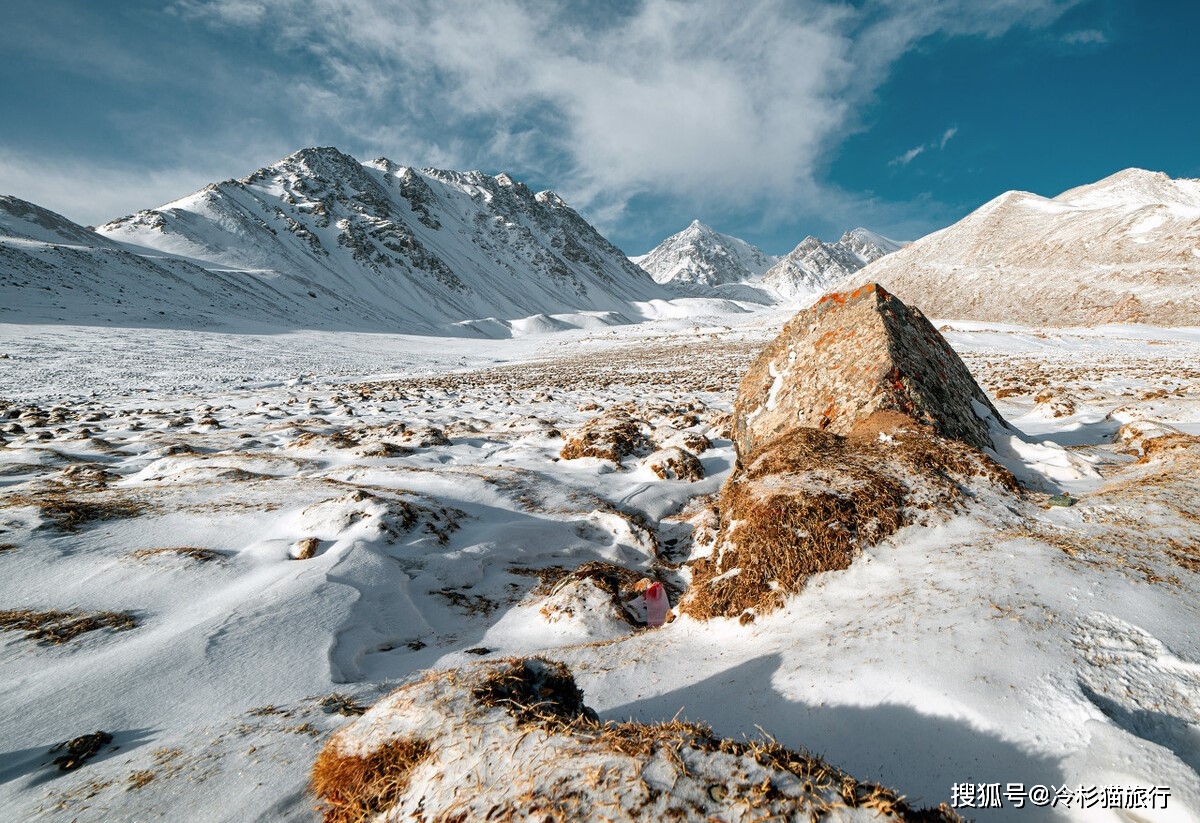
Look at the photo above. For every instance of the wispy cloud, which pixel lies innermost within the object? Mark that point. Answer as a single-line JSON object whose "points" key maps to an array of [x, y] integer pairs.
{"points": [[1086, 37], [907, 157], [933, 145], [704, 100]]}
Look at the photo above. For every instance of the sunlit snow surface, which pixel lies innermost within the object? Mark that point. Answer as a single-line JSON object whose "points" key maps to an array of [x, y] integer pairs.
{"points": [[979, 650]]}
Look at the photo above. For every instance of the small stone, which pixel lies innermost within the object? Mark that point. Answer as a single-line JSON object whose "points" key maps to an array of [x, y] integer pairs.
{"points": [[1061, 500]]}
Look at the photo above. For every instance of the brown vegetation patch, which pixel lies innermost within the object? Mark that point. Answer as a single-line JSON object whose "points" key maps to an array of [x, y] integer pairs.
{"points": [[187, 552], [609, 436], [55, 627], [354, 788], [68, 512], [7, 547], [338, 703], [809, 501], [80, 750], [305, 548], [535, 691], [1158, 447], [673, 463]]}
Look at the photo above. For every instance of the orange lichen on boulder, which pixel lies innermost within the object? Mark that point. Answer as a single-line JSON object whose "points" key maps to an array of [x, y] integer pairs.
{"points": [[853, 354]]}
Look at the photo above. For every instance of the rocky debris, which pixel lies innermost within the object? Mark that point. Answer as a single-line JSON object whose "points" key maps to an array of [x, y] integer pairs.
{"points": [[850, 357], [410, 755]]}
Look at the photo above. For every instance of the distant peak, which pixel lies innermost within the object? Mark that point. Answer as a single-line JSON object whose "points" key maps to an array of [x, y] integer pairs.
{"points": [[322, 153]]}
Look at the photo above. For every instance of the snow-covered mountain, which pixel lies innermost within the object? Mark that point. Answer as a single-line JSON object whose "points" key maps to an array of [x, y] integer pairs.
{"points": [[1124, 249], [814, 265], [321, 240], [702, 256], [55, 271]]}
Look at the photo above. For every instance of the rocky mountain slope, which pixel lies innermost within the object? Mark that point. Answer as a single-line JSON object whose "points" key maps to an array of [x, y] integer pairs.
{"points": [[702, 256], [320, 240], [55, 271], [814, 265], [1123, 250]]}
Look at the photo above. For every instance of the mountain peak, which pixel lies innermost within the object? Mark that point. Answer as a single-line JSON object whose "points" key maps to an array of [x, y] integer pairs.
{"points": [[1135, 187], [700, 256], [815, 265], [395, 246]]}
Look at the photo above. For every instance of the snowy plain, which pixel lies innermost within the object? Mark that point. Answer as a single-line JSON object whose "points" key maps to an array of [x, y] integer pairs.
{"points": [[1010, 643]]}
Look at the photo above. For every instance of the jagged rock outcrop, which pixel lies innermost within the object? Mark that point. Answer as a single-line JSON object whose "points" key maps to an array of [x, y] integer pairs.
{"points": [[853, 355], [410, 756]]}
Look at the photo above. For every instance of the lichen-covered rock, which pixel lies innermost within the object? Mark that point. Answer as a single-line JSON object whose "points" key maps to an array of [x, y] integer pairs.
{"points": [[850, 356], [519, 736]]}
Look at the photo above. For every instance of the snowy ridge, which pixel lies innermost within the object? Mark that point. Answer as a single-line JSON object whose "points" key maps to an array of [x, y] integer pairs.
{"points": [[814, 265], [320, 240], [702, 256], [1125, 249]]}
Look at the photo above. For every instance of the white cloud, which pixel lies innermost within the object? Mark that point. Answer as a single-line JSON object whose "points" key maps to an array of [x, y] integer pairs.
{"points": [[1086, 37], [702, 101], [90, 194], [907, 157], [915, 151]]}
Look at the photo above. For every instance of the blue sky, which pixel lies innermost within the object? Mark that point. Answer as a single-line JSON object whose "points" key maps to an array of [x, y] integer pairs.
{"points": [[769, 120]]}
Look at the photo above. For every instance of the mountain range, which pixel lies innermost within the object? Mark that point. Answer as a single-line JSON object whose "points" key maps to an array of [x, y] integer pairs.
{"points": [[701, 260], [320, 240], [1125, 249]]}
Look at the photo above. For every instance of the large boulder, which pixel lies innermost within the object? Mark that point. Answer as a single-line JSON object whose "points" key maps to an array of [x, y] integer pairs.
{"points": [[856, 421], [853, 356]]}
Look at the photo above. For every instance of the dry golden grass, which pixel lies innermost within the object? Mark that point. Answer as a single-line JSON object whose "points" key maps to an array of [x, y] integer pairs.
{"points": [[338, 703], [306, 548], [189, 552], [610, 436], [542, 694], [68, 512], [809, 501], [80, 750], [354, 788], [55, 627]]}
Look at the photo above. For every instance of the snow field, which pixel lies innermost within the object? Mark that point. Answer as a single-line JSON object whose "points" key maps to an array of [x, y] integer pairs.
{"points": [[1011, 643]]}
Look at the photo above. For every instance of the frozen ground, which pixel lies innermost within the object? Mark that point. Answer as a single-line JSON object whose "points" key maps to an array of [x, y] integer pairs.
{"points": [[1012, 643]]}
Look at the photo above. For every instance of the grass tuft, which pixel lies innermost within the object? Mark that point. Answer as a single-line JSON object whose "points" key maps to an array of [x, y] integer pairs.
{"points": [[809, 501], [190, 552], [355, 788], [56, 628]]}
